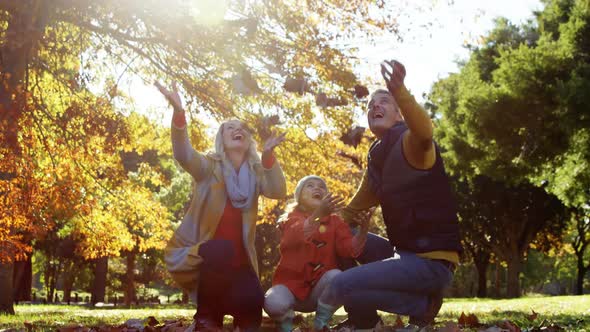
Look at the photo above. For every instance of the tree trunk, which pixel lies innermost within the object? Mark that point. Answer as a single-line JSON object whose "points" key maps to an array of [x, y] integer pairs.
{"points": [[6, 301], [482, 277], [25, 23], [69, 278], [48, 276], [513, 277], [497, 284], [99, 285], [130, 279], [581, 273], [184, 296], [23, 279]]}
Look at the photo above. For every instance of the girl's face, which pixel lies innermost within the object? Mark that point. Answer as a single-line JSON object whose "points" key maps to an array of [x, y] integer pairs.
{"points": [[314, 190], [235, 136]]}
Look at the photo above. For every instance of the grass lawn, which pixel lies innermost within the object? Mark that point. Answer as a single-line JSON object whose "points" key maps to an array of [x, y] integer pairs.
{"points": [[569, 312]]}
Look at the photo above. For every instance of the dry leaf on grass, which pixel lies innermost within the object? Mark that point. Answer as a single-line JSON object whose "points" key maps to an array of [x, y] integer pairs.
{"points": [[510, 326], [450, 327], [532, 316]]}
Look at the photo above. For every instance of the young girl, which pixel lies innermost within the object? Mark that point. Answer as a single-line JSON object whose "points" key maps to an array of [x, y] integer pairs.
{"points": [[312, 240]]}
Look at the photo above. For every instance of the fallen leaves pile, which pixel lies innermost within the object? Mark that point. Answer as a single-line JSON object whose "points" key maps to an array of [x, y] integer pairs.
{"points": [[465, 322]]}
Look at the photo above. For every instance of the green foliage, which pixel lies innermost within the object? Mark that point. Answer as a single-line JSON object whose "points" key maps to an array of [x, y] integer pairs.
{"points": [[517, 114]]}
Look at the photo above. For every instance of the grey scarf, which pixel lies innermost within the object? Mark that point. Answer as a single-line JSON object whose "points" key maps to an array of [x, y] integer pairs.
{"points": [[240, 185]]}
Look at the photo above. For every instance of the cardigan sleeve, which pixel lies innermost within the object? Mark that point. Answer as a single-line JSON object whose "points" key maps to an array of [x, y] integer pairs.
{"points": [[194, 162]]}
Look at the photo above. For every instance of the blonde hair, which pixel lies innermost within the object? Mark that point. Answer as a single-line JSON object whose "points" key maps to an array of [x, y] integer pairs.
{"points": [[252, 156], [290, 207]]}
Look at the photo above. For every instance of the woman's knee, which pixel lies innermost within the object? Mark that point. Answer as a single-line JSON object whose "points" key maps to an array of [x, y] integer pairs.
{"points": [[278, 301]]}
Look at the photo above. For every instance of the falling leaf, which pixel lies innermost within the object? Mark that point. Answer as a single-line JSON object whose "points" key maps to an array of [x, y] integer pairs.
{"points": [[296, 85], [244, 83], [264, 126], [321, 100], [354, 136], [360, 91]]}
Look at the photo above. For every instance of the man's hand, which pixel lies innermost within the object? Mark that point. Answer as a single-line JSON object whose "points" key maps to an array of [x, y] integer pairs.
{"points": [[363, 218], [394, 74], [172, 96]]}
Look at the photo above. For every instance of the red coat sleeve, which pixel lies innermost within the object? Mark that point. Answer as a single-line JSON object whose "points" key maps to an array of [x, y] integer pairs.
{"points": [[292, 232]]}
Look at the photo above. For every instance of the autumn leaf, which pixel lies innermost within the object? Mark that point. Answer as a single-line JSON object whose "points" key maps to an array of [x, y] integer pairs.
{"points": [[532, 316], [398, 322], [151, 321], [360, 91], [462, 319], [509, 326], [472, 321], [299, 86]]}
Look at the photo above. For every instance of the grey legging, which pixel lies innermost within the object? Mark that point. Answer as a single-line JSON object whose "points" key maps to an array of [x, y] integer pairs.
{"points": [[280, 303]]}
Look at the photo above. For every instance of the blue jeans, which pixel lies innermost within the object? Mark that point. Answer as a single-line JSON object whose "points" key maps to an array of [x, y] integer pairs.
{"points": [[401, 283]]}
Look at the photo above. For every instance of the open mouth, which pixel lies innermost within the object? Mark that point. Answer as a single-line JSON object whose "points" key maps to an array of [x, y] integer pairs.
{"points": [[378, 115], [316, 196], [238, 137]]}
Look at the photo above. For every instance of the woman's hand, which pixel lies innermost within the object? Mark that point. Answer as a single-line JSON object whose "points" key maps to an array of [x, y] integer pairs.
{"points": [[272, 142], [172, 96]]}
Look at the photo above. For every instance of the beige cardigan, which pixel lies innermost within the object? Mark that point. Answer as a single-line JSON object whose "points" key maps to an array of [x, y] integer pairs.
{"points": [[205, 210]]}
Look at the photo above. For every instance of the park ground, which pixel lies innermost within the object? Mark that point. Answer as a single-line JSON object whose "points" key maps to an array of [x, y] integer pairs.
{"points": [[532, 313]]}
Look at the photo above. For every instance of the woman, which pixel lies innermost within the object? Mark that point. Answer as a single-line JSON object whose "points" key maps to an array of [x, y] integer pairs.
{"points": [[212, 252]]}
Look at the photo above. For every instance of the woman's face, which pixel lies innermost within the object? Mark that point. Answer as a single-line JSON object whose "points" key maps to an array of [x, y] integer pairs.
{"points": [[235, 136], [312, 193]]}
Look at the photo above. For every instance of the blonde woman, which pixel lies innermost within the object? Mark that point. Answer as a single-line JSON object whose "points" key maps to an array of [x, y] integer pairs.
{"points": [[212, 252]]}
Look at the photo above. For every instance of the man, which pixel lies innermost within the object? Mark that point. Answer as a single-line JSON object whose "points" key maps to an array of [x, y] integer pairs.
{"points": [[406, 177]]}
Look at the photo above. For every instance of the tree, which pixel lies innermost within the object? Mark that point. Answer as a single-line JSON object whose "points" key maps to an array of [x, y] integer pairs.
{"points": [[517, 110], [581, 241], [506, 220], [233, 61]]}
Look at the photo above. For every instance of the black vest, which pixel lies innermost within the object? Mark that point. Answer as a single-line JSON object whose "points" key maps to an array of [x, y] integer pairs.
{"points": [[418, 207]]}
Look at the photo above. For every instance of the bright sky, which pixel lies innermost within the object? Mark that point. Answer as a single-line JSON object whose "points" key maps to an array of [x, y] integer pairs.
{"points": [[428, 52]]}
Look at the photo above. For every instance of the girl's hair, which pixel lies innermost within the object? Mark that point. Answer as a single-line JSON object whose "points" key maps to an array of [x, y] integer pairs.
{"points": [[251, 155], [290, 207]]}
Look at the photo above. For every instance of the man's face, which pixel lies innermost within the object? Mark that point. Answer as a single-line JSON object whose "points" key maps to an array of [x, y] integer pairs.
{"points": [[383, 113]]}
